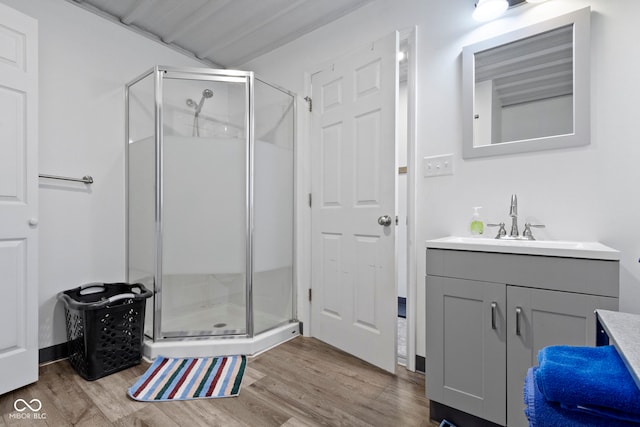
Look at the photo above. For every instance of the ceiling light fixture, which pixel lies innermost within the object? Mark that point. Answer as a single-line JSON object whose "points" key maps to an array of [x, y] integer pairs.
{"points": [[487, 10]]}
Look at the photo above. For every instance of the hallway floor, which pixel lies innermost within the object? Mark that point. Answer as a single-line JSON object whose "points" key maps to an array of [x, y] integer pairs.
{"points": [[303, 382], [402, 341]]}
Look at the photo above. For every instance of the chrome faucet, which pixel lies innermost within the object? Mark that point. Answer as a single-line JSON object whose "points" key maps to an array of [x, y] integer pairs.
{"points": [[513, 213], [515, 234]]}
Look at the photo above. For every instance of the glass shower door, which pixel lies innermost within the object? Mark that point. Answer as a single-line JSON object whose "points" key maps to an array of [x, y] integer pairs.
{"points": [[273, 175], [141, 174], [204, 205]]}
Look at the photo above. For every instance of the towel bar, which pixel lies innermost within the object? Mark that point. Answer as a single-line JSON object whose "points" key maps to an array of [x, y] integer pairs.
{"points": [[87, 179]]}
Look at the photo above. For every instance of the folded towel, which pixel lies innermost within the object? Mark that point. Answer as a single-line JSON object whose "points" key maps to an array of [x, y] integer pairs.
{"points": [[593, 379], [542, 413]]}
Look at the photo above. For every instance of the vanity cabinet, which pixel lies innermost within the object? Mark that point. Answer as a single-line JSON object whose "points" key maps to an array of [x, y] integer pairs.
{"points": [[488, 315]]}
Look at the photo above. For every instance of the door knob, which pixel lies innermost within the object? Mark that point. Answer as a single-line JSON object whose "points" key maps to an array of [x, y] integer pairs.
{"points": [[385, 220], [33, 221]]}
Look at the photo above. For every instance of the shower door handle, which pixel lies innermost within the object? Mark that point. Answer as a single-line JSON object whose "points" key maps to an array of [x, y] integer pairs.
{"points": [[385, 220]]}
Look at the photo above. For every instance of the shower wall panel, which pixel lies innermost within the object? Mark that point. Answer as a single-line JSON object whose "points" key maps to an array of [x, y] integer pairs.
{"points": [[204, 206]]}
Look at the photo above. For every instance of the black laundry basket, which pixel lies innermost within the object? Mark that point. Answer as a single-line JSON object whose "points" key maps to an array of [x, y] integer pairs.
{"points": [[105, 327]]}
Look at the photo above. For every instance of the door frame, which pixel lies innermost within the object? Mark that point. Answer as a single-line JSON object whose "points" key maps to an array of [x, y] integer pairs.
{"points": [[303, 177], [411, 35]]}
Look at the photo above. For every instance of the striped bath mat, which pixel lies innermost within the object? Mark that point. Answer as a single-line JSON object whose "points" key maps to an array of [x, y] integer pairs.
{"points": [[190, 378]]}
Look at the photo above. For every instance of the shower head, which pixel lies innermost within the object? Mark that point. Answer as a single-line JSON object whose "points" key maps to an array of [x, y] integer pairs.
{"points": [[207, 93]]}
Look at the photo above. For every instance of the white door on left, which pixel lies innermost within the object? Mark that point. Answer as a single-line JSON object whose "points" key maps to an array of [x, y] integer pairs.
{"points": [[18, 199]]}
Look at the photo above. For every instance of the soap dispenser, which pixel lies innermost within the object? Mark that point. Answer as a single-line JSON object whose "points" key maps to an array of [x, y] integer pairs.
{"points": [[477, 226]]}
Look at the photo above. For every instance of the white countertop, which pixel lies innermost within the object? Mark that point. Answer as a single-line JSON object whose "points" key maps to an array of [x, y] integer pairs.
{"points": [[623, 330], [567, 249]]}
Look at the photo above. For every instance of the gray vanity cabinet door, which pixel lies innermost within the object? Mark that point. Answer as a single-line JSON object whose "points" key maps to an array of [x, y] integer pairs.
{"points": [[466, 348], [538, 318]]}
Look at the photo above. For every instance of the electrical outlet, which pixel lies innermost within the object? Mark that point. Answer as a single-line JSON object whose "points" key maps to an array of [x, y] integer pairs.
{"points": [[438, 165]]}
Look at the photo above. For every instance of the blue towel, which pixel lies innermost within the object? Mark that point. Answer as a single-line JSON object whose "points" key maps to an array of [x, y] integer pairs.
{"points": [[591, 379], [542, 413]]}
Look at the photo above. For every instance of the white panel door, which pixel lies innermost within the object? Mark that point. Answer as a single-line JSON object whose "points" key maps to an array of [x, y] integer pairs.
{"points": [[354, 305], [18, 199]]}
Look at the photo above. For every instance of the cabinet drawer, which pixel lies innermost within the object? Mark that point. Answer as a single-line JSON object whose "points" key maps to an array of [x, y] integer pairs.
{"points": [[587, 276]]}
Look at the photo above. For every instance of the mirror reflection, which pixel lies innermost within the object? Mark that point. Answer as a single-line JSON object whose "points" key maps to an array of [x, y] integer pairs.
{"points": [[524, 89], [528, 90]]}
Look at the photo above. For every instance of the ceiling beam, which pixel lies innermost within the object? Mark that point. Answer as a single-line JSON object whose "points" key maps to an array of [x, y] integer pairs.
{"points": [[139, 9], [196, 18], [249, 28]]}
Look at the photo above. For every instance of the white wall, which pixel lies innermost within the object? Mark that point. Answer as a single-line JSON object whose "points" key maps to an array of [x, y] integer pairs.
{"points": [[585, 193], [85, 62], [535, 119]]}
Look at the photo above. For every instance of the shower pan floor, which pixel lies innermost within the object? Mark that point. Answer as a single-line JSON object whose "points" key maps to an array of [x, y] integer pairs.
{"points": [[220, 319]]}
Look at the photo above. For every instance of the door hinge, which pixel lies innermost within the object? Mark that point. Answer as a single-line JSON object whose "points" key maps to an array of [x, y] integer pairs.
{"points": [[310, 102], [309, 294], [309, 199]]}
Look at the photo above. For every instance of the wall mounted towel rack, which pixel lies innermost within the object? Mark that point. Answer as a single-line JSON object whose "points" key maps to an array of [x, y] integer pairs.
{"points": [[87, 179]]}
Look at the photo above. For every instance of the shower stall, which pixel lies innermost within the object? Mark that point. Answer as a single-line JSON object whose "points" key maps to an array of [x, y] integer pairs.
{"points": [[210, 208]]}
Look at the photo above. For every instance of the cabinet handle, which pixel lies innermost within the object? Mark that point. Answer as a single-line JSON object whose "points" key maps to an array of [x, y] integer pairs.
{"points": [[494, 306], [518, 313]]}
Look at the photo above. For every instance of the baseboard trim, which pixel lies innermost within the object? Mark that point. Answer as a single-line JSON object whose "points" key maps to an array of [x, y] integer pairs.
{"points": [[61, 351], [53, 353]]}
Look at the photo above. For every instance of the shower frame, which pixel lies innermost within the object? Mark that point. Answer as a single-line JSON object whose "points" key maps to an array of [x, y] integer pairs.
{"points": [[273, 335]]}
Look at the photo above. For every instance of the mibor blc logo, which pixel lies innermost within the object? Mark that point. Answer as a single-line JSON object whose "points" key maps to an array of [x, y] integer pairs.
{"points": [[28, 410]]}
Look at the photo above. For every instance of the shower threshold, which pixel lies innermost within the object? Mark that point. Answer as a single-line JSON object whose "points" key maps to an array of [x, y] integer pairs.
{"points": [[221, 346]]}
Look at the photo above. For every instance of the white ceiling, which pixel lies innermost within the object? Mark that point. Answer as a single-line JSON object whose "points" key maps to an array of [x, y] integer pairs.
{"points": [[224, 33], [530, 69]]}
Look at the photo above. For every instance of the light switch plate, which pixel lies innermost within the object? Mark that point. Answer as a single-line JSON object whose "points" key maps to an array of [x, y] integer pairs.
{"points": [[438, 165]]}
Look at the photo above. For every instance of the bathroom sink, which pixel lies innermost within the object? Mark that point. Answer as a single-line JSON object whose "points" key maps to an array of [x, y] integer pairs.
{"points": [[592, 250]]}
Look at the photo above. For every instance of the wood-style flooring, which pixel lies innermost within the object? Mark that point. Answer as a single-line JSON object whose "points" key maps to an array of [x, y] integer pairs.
{"points": [[302, 382]]}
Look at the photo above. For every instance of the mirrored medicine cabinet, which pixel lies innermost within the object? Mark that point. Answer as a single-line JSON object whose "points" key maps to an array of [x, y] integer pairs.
{"points": [[528, 90]]}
